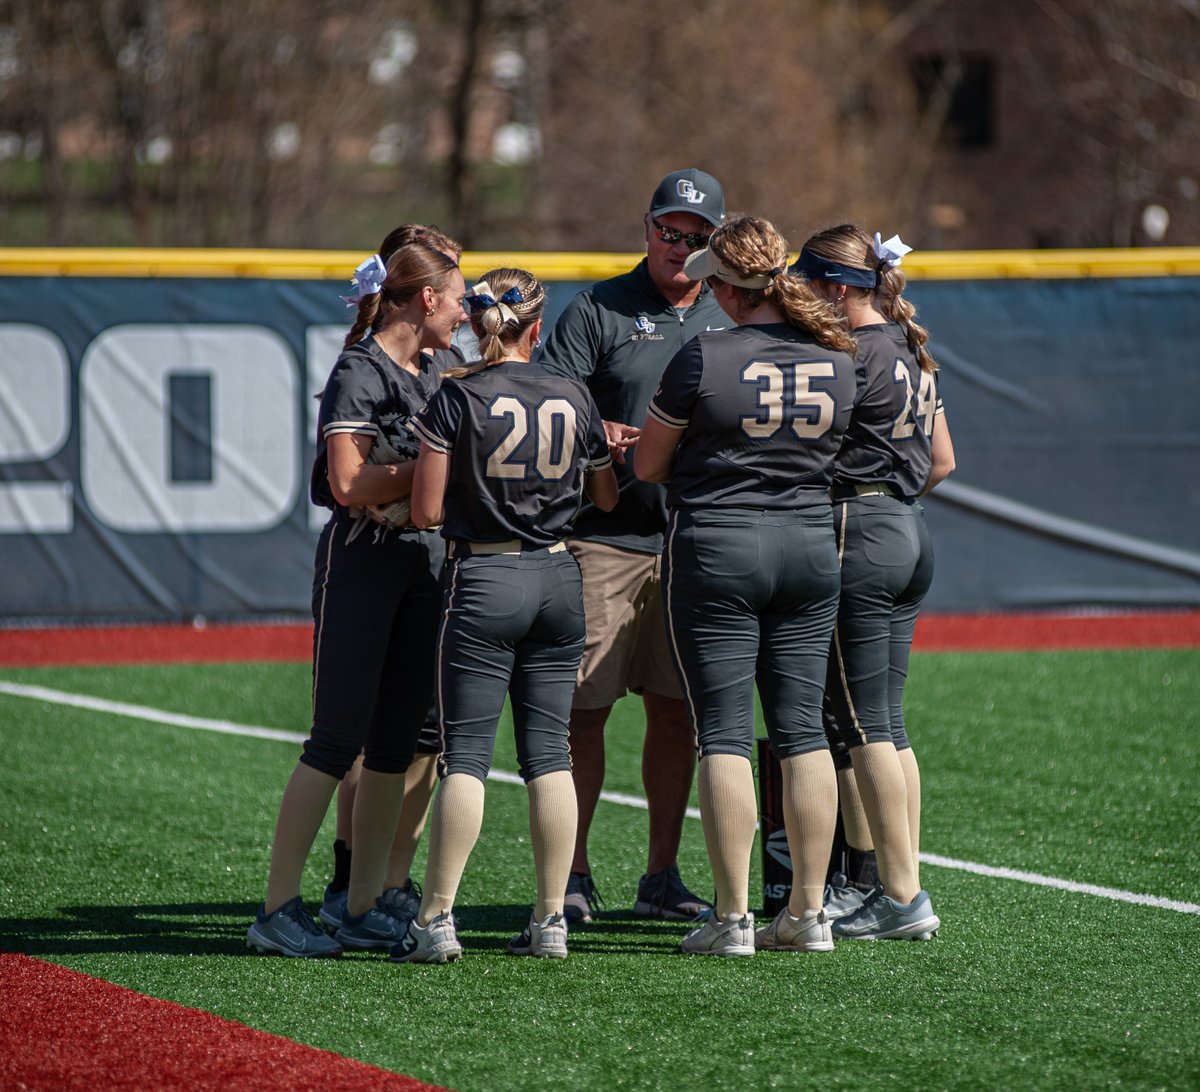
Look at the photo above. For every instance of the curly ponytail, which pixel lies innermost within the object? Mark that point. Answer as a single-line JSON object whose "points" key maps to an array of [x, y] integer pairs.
{"points": [[753, 249]]}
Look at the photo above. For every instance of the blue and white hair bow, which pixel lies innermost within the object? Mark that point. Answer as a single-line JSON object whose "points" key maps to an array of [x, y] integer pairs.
{"points": [[480, 299], [368, 279], [891, 252]]}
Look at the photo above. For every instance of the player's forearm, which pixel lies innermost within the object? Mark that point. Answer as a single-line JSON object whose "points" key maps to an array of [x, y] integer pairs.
{"points": [[371, 484]]}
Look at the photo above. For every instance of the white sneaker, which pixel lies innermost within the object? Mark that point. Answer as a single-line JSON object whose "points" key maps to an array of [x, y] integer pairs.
{"points": [[810, 932], [712, 936], [545, 939], [436, 942]]}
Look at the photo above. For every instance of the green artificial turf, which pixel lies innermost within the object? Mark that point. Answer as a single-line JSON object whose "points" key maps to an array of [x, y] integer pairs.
{"points": [[138, 852]]}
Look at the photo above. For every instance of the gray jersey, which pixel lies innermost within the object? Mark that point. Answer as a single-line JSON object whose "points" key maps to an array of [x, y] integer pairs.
{"points": [[891, 429], [521, 441], [367, 394], [763, 409]]}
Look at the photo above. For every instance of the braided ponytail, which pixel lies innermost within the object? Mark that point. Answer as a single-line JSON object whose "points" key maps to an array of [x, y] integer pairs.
{"points": [[517, 302], [899, 310]]}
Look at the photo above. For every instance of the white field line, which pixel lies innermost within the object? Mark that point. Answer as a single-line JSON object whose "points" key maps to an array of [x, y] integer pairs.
{"points": [[181, 720]]}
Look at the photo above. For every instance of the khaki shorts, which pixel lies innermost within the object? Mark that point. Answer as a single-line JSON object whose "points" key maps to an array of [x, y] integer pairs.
{"points": [[626, 647]]}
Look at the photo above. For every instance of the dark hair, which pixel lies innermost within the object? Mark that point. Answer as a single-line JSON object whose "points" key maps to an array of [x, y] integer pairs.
{"points": [[850, 246], [409, 269], [418, 233]]}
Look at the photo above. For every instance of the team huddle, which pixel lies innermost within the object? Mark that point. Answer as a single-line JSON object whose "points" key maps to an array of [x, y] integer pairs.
{"points": [[703, 485]]}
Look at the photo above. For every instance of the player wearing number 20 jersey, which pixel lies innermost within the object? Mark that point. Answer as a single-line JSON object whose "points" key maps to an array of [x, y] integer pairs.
{"points": [[507, 451], [522, 440], [745, 427]]}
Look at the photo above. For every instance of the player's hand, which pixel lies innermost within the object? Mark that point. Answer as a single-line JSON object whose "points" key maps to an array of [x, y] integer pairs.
{"points": [[620, 438]]}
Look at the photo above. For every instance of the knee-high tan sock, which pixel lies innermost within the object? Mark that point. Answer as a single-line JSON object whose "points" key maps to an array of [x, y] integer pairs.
{"points": [[453, 832], [553, 816], [884, 795], [377, 803], [810, 817], [728, 811], [854, 819], [912, 778], [419, 783], [301, 812]]}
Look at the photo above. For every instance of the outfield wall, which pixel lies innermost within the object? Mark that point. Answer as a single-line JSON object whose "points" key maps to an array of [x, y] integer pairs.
{"points": [[157, 423]]}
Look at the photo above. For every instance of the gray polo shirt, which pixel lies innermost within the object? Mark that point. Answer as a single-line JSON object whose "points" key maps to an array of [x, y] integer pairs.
{"points": [[618, 337]]}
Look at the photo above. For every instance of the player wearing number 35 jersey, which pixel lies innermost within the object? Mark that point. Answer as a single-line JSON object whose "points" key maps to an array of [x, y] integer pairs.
{"points": [[745, 427], [507, 450]]}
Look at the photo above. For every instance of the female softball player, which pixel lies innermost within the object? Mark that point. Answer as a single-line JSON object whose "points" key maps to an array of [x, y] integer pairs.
{"points": [[897, 447], [745, 426], [403, 896], [507, 449], [375, 604]]}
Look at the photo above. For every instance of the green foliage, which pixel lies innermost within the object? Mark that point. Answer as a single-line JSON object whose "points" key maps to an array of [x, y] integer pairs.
{"points": [[137, 852]]}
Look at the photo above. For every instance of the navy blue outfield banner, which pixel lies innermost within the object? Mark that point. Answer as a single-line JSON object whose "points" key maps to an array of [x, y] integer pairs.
{"points": [[156, 435]]}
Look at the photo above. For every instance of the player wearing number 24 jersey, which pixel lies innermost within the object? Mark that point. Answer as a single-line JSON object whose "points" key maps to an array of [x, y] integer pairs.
{"points": [[507, 450], [896, 448], [745, 427]]}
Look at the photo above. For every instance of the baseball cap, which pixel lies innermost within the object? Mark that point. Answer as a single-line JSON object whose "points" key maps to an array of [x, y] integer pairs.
{"points": [[692, 191]]}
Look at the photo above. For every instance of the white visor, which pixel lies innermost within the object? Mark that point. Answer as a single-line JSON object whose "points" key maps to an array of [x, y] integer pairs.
{"points": [[702, 264]]}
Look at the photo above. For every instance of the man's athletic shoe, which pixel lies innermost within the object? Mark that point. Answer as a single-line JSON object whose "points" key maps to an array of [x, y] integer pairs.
{"points": [[842, 898], [333, 908], [712, 936], [436, 942], [291, 931], [377, 928], [582, 900], [402, 902], [882, 918], [809, 932], [545, 939], [663, 895]]}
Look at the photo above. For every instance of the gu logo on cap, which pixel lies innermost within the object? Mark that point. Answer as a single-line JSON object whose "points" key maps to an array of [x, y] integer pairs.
{"points": [[689, 193]]}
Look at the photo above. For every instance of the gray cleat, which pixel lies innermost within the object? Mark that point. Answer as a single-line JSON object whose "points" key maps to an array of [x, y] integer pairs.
{"points": [[882, 918], [291, 931]]}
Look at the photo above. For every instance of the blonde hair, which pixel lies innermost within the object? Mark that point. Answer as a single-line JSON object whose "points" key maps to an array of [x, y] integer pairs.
{"points": [[752, 246], [851, 246], [501, 326], [409, 269]]}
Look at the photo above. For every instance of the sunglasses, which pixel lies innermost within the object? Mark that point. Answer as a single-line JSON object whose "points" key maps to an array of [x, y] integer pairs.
{"points": [[695, 240]]}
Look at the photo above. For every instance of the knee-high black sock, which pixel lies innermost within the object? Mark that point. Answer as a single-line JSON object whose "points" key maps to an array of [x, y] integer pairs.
{"points": [[861, 869], [341, 866]]}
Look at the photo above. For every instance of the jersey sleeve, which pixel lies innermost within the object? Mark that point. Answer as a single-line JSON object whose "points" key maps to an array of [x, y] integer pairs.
{"points": [[437, 424], [352, 397], [574, 345], [676, 395], [599, 456]]}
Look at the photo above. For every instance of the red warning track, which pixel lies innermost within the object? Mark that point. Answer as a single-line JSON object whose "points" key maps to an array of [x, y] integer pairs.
{"points": [[66, 1030], [293, 643]]}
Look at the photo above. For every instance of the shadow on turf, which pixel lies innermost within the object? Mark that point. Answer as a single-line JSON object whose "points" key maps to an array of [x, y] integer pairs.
{"points": [[219, 928]]}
